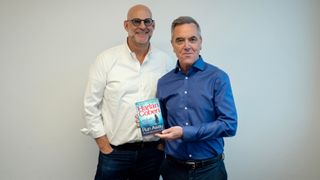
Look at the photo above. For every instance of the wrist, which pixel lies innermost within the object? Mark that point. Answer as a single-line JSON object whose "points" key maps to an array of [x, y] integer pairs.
{"points": [[106, 149]]}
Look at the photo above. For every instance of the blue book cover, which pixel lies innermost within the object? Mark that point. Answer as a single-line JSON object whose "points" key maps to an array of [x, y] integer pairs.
{"points": [[150, 117]]}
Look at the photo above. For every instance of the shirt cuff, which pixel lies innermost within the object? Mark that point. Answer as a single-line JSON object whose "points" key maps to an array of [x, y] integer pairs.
{"points": [[94, 133], [189, 133]]}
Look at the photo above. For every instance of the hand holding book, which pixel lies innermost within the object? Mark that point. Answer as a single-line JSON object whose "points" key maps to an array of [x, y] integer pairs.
{"points": [[172, 133]]}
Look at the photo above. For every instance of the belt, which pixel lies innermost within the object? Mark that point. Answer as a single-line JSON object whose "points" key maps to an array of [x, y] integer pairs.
{"points": [[136, 145], [197, 163]]}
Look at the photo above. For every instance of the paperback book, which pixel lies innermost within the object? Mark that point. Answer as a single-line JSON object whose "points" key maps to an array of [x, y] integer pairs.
{"points": [[149, 116]]}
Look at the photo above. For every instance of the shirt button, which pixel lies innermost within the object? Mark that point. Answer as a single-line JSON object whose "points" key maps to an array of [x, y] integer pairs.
{"points": [[190, 155], [187, 124], [185, 92], [185, 108], [186, 78]]}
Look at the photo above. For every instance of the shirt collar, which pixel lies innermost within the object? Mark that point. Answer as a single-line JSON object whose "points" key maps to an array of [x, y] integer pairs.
{"points": [[199, 64], [132, 54]]}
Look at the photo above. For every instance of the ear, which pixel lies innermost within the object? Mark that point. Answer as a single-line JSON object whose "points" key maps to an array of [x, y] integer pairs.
{"points": [[171, 41], [172, 45], [154, 24], [125, 25]]}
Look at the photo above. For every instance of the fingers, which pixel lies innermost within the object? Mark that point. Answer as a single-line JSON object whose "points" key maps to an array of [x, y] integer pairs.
{"points": [[166, 131], [159, 135], [171, 133], [136, 120], [165, 134]]}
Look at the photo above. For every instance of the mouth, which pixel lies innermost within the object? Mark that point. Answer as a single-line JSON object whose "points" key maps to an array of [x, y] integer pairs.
{"points": [[142, 32], [142, 36]]}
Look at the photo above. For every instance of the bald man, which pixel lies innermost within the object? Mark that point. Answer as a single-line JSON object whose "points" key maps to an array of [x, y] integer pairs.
{"points": [[120, 77]]}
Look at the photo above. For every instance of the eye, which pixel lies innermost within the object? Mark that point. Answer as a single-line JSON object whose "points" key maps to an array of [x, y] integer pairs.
{"points": [[193, 39], [148, 21], [179, 40], [136, 22]]}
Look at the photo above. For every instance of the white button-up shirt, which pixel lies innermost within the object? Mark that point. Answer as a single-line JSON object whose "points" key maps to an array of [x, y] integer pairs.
{"points": [[116, 81]]}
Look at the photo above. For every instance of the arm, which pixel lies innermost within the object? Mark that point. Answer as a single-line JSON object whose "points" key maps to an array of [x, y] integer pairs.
{"points": [[224, 123], [221, 121], [92, 106]]}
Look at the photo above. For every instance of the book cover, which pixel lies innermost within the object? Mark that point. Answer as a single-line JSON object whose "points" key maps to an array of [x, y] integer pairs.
{"points": [[150, 117]]}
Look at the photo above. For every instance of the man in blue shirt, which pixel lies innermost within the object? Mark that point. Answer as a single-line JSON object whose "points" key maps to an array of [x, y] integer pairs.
{"points": [[198, 109]]}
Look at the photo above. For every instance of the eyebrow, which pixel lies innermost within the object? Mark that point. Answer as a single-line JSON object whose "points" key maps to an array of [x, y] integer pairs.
{"points": [[179, 37]]}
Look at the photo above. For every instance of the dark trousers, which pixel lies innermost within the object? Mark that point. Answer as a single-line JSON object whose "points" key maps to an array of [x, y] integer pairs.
{"points": [[142, 163], [171, 170]]}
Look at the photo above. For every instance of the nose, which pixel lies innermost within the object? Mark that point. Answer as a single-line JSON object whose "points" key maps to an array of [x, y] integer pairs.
{"points": [[187, 45]]}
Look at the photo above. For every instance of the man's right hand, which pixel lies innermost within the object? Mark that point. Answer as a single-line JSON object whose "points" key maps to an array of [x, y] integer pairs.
{"points": [[104, 145], [106, 150]]}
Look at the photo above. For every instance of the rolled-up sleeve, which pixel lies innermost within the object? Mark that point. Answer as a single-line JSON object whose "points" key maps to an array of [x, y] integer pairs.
{"points": [[92, 100], [92, 110]]}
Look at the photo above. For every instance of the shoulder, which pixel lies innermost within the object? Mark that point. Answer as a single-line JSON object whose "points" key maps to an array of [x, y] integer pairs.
{"points": [[111, 54], [167, 77], [216, 71], [108, 58], [158, 51], [163, 57], [160, 54], [113, 51]]}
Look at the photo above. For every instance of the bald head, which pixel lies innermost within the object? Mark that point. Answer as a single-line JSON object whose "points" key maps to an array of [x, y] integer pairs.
{"points": [[138, 9]]}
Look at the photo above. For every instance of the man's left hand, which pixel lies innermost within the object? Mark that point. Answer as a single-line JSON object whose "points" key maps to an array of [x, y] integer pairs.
{"points": [[172, 133]]}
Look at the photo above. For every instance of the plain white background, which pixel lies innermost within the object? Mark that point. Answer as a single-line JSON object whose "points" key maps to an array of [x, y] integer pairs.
{"points": [[270, 49]]}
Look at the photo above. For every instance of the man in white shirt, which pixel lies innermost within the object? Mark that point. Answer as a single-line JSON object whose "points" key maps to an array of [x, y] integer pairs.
{"points": [[121, 76]]}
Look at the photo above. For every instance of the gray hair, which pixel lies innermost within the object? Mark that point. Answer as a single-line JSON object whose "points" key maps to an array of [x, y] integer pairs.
{"points": [[184, 20]]}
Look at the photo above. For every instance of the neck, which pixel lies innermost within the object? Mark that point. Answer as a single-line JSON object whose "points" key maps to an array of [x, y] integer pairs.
{"points": [[185, 68], [140, 50]]}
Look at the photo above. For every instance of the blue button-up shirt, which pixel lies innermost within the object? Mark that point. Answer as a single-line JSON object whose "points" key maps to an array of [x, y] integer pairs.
{"points": [[201, 102]]}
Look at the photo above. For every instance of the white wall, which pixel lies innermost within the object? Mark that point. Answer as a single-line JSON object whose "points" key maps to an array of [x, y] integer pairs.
{"points": [[269, 48]]}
